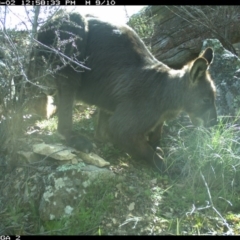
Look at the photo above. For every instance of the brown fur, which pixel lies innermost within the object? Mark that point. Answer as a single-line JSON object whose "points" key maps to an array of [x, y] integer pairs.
{"points": [[137, 91]]}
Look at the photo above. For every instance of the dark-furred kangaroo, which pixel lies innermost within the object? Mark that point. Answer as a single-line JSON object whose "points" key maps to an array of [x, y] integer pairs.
{"points": [[135, 92]]}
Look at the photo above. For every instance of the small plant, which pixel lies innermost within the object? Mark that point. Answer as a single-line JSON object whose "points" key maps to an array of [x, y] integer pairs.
{"points": [[109, 151]]}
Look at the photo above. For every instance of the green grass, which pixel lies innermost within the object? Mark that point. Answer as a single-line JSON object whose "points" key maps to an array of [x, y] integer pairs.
{"points": [[214, 153]]}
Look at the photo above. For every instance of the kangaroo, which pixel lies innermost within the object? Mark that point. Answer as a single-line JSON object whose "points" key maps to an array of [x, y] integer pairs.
{"points": [[134, 91]]}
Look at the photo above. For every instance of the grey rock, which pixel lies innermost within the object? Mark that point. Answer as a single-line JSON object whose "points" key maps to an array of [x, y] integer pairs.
{"points": [[225, 71], [65, 187]]}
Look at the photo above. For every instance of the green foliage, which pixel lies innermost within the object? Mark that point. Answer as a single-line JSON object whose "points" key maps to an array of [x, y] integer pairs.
{"points": [[109, 151], [19, 220], [48, 124], [143, 25], [82, 119]]}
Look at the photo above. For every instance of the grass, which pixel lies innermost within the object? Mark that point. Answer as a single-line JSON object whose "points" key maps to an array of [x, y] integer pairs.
{"points": [[200, 194], [211, 152]]}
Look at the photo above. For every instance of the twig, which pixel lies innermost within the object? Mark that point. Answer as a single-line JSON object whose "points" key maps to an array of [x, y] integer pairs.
{"points": [[134, 219], [49, 155], [230, 231], [211, 205], [61, 54]]}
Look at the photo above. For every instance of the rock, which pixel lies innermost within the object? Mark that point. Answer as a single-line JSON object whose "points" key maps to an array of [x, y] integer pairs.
{"points": [[74, 161], [175, 37], [65, 187], [225, 72], [58, 152], [63, 153], [93, 159]]}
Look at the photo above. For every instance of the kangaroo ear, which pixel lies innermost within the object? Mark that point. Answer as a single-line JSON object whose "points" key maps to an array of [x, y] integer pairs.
{"points": [[208, 55], [198, 69]]}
